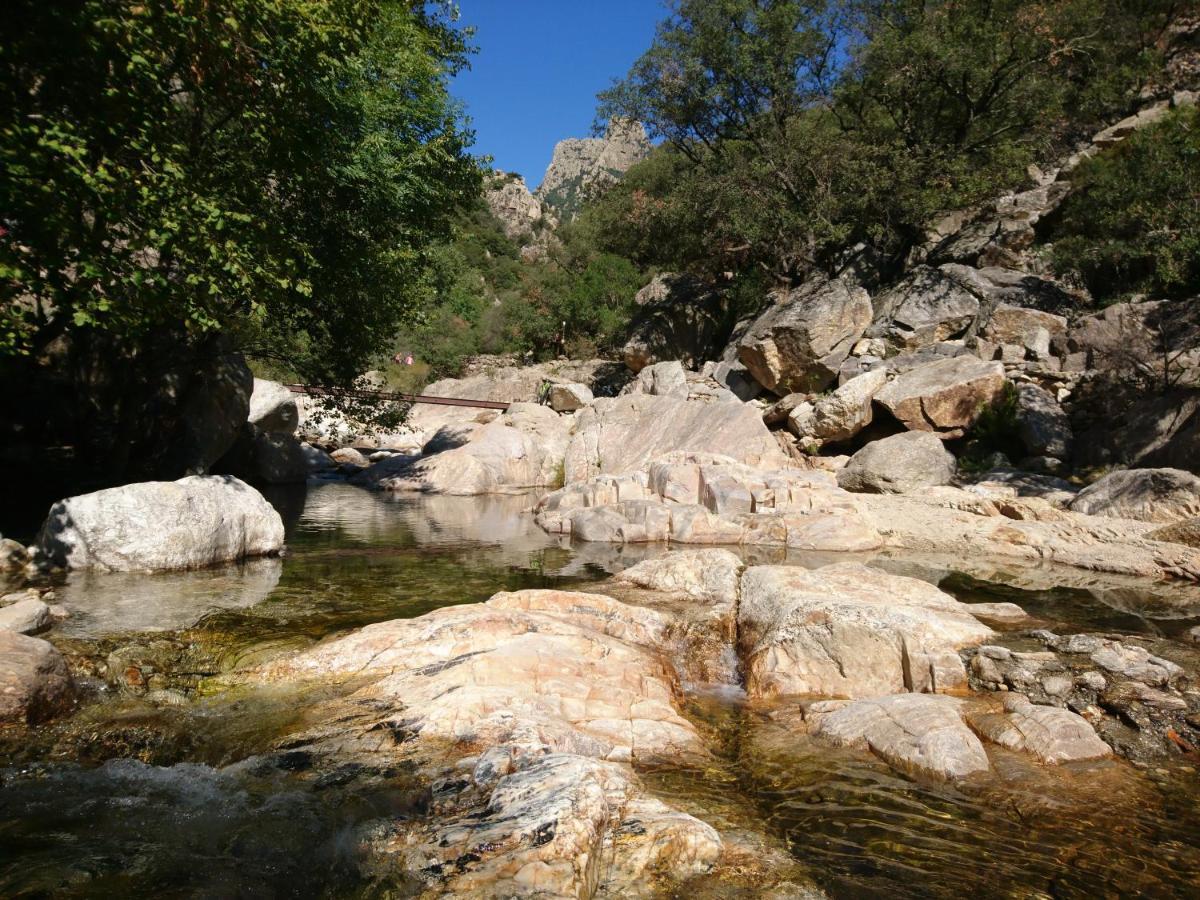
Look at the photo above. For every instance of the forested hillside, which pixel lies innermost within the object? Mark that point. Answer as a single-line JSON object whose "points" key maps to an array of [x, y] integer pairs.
{"points": [[833, 138]]}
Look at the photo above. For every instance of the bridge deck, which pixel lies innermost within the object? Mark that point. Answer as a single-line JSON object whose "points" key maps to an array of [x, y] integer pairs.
{"points": [[317, 390]]}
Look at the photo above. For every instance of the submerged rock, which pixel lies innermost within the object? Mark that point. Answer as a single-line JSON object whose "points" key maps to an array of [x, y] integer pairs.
{"points": [[540, 699], [915, 733], [161, 525], [849, 630], [1049, 733]]}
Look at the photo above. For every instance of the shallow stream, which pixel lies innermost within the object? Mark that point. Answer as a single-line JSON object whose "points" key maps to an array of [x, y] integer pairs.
{"points": [[164, 786]]}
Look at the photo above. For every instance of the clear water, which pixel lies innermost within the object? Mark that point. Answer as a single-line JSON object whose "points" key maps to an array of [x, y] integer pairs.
{"points": [[134, 796]]}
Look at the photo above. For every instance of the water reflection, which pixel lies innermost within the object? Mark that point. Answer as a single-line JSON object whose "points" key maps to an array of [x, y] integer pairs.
{"points": [[107, 603]]}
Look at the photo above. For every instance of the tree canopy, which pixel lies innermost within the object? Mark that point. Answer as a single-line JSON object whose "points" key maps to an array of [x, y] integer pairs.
{"points": [[795, 129], [271, 169]]}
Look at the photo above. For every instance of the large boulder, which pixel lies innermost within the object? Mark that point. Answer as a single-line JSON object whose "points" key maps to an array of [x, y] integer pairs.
{"points": [[677, 317], [945, 396], [1032, 330], [848, 630], [1043, 426], [623, 434], [265, 457], [523, 448], [926, 307], [273, 407], [1124, 426], [1158, 341], [1148, 495], [525, 712], [800, 342], [159, 525], [899, 464], [841, 415], [664, 379], [35, 683], [568, 396]]}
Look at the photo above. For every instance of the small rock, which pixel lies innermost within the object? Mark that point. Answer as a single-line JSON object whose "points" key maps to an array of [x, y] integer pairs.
{"points": [[1092, 681], [25, 616], [348, 456], [994, 651], [13, 556]]}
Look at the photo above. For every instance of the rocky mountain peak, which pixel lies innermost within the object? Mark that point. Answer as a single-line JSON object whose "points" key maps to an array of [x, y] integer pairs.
{"points": [[581, 166]]}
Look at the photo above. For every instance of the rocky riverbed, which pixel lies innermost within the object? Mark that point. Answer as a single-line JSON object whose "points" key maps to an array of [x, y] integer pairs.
{"points": [[433, 695]]}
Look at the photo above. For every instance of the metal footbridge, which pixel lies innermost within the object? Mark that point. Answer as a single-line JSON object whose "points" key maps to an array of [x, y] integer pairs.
{"points": [[392, 396]]}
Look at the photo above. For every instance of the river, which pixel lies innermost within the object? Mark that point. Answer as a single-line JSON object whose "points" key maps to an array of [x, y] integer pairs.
{"points": [[169, 784]]}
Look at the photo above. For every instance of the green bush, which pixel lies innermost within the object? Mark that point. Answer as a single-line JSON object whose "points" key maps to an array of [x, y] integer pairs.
{"points": [[996, 430], [1132, 226]]}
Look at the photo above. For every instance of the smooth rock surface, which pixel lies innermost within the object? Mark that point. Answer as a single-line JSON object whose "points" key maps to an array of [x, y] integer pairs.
{"points": [[1049, 733], [915, 733], [26, 616], [700, 574], [160, 525], [623, 434], [1148, 495], [520, 449], [664, 379], [273, 408], [849, 630]]}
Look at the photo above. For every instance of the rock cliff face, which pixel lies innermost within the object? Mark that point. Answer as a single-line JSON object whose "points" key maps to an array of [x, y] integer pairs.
{"points": [[581, 166], [510, 201]]}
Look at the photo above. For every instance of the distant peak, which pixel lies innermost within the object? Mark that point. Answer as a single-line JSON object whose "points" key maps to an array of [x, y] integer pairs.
{"points": [[581, 167]]}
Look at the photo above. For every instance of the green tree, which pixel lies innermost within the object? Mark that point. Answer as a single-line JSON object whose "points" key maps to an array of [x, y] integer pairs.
{"points": [[271, 169], [1132, 224], [815, 127]]}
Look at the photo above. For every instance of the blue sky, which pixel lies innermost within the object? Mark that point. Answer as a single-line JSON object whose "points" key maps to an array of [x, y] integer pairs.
{"points": [[539, 66]]}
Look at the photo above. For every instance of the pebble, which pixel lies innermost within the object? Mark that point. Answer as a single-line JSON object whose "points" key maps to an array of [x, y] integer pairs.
{"points": [[1057, 685], [992, 651], [1092, 681]]}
